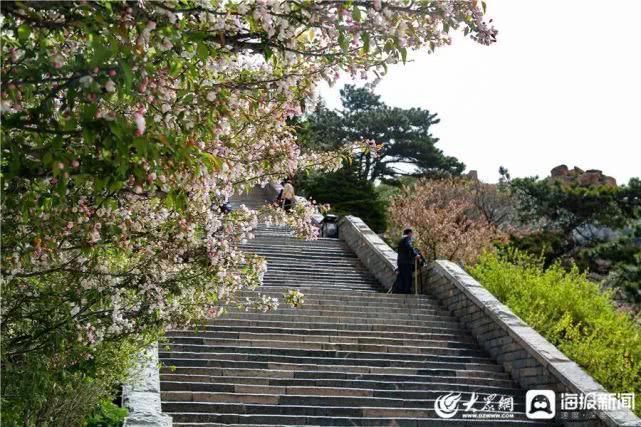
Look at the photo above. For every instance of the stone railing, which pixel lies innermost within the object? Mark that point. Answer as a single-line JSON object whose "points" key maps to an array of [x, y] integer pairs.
{"points": [[532, 361], [141, 396], [377, 256], [272, 189]]}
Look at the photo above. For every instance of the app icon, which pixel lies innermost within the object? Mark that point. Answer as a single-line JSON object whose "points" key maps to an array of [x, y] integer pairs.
{"points": [[540, 404]]}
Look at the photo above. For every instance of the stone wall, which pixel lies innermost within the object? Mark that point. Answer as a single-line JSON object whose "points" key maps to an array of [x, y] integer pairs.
{"points": [[377, 256], [273, 189], [141, 396], [532, 361]]}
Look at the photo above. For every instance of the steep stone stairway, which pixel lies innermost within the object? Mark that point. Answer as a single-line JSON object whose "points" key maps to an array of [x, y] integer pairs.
{"points": [[352, 355]]}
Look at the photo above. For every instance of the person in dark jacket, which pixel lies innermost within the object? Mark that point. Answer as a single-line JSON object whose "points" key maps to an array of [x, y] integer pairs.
{"points": [[407, 255]]}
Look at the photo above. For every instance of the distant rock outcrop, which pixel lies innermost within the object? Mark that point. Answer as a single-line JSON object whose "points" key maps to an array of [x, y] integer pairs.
{"points": [[473, 175], [588, 178]]}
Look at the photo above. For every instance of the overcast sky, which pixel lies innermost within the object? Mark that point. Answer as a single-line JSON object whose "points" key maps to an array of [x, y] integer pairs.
{"points": [[561, 85]]}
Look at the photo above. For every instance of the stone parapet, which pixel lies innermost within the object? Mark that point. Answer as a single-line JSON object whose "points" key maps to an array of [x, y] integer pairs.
{"points": [[141, 396], [377, 256]]}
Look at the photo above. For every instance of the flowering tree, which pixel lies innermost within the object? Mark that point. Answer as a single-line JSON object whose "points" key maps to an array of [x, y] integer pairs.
{"points": [[123, 125], [447, 222]]}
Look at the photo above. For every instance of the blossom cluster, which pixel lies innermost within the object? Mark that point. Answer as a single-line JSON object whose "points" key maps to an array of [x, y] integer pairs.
{"points": [[129, 124], [446, 222]]}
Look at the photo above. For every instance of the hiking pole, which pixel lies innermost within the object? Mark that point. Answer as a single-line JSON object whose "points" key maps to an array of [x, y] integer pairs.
{"points": [[416, 273]]}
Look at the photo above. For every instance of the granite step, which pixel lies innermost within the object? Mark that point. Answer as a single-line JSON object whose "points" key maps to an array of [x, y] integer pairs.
{"points": [[432, 381], [189, 344], [242, 331]]}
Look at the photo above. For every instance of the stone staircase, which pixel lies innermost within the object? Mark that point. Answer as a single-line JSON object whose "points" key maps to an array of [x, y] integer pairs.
{"points": [[351, 356]]}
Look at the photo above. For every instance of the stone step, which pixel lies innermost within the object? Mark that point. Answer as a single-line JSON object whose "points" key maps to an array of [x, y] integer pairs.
{"points": [[265, 361], [355, 336], [362, 326], [343, 285], [314, 278], [293, 284], [178, 344], [327, 294], [340, 312], [322, 271], [277, 242], [288, 354], [294, 253], [200, 337], [310, 345], [365, 299], [296, 280], [305, 258], [338, 266], [432, 380], [312, 396], [211, 411], [401, 321], [319, 258], [201, 367], [277, 255], [314, 305], [329, 266], [391, 379]]}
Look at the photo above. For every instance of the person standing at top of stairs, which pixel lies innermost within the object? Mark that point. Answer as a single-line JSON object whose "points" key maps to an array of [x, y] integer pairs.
{"points": [[287, 195]]}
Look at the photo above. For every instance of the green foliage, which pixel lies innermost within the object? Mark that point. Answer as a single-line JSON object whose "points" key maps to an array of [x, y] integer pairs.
{"points": [[574, 225], [107, 414], [408, 146], [622, 258], [567, 207], [40, 390], [547, 244], [347, 194], [572, 313]]}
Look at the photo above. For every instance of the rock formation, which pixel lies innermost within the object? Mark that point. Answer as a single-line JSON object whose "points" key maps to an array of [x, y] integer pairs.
{"points": [[576, 176]]}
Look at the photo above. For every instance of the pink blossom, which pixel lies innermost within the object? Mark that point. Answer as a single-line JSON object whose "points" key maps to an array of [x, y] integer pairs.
{"points": [[139, 119], [110, 86], [57, 61]]}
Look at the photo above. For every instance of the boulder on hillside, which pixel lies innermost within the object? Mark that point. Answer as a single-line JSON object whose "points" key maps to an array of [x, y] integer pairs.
{"points": [[473, 175], [561, 170], [576, 176], [589, 178]]}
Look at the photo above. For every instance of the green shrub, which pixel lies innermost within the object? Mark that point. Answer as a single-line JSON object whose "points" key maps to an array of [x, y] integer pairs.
{"points": [[107, 414], [572, 313], [347, 194], [66, 387]]}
